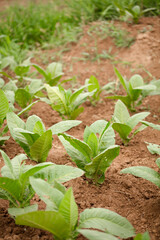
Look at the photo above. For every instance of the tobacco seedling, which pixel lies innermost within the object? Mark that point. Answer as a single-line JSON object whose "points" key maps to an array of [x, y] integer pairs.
{"points": [[93, 85], [61, 217], [95, 154], [52, 74], [66, 102], [134, 88], [124, 124], [4, 108], [145, 172], [153, 148], [14, 183], [33, 137]]}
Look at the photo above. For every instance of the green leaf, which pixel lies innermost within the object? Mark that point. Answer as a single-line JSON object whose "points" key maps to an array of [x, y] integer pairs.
{"points": [[158, 162], [144, 172], [92, 141], [22, 97], [13, 121], [107, 137], [31, 121], [155, 126], [30, 137], [27, 108], [136, 118], [20, 211], [101, 162], [68, 208], [40, 70], [76, 94], [64, 126], [51, 196], [39, 128], [40, 148], [11, 187], [144, 236], [3, 139], [123, 130], [106, 220], [60, 173], [120, 112], [96, 235], [74, 114], [35, 86], [81, 146], [4, 105], [121, 79], [50, 221], [24, 177], [93, 84], [153, 148], [57, 98], [125, 99], [8, 164]]}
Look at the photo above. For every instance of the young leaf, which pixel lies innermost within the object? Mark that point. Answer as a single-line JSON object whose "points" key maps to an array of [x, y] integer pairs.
{"points": [[20, 211], [153, 148], [121, 79], [13, 121], [68, 208], [4, 105], [136, 118], [120, 112], [106, 220], [144, 172], [22, 97], [40, 148], [154, 126], [31, 121]]}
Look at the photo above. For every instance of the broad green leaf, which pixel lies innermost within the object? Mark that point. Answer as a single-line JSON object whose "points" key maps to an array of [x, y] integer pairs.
{"points": [[96, 235], [8, 165], [136, 81], [106, 220], [153, 148], [60, 173], [39, 128], [22, 97], [98, 126], [121, 112], [24, 177], [21, 70], [57, 97], [82, 98], [4, 105], [102, 161], [35, 86], [136, 118], [51, 196], [10, 86], [30, 137], [123, 130], [125, 99], [55, 69], [31, 121], [92, 141], [13, 121], [40, 148], [144, 172], [68, 208], [76, 94], [107, 137], [64, 126], [155, 126], [27, 108], [50, 221], [40, 70], [93, 84], [20, 211], [11, 187], [148, 87], [74, 114], [121, 79], [81, 146]]}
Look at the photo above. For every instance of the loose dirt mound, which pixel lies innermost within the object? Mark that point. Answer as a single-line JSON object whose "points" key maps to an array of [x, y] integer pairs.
{"points": [[134, 198]]}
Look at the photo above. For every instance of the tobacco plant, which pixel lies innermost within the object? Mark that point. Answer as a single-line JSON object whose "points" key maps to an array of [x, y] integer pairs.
{"points": [[15, 185], [33, 137], [66, 102], [61, 216], [133, 88], [124, 124], [95, 154], [145, 172], [52, 74], [93, 85]]}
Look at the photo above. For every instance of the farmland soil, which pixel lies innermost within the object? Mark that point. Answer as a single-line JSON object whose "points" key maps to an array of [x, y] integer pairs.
{"points": [[134, 198]]}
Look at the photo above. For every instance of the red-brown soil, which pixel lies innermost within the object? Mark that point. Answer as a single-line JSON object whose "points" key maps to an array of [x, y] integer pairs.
{"points": [[134, 198]]}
